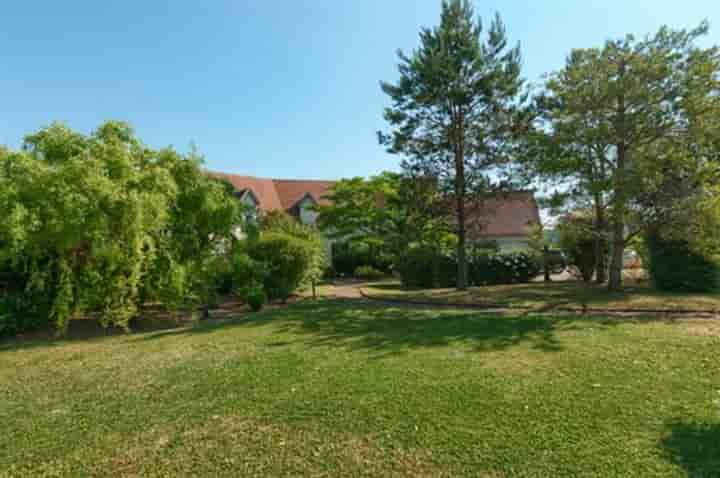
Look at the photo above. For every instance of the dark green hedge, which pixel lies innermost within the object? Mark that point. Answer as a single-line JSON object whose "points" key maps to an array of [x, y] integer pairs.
{"points": [[426, 267], [347, 257], [673, 266], [503, 268]]}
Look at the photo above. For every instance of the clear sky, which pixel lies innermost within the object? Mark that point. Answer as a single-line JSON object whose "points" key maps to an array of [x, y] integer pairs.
{"points": [[280, 88]]}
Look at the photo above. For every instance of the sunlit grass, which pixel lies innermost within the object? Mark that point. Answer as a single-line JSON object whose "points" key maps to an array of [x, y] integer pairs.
{"points": [[350, 389]]}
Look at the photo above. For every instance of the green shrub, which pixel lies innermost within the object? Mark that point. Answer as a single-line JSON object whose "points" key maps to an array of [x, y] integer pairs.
{"points": [[246, 271], [368, 273], [578, 242], [287, 258], [427, 267], [674, 266], [503, 268], [255, 297], [348, 256], [23, 313]]}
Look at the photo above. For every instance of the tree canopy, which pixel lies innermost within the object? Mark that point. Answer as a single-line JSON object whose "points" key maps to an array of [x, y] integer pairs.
{"points": [[100, 223], [453, 109], [623, 122]]}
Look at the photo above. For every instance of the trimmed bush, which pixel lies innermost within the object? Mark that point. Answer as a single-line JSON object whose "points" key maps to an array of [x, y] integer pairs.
{"points": [[255, 297], [674, 266], [287, 259], [578, 242], [428, 268], [348, 256], [503, 268], [368, 273]]}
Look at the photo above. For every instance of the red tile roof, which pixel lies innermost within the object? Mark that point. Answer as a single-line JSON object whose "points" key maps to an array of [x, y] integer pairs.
{"points": [[293, 190], [278, 193], [508, 214]]}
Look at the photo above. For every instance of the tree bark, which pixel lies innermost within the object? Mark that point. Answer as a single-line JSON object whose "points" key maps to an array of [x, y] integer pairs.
{"points": [[462, 281], [618, 249], [600, 259], [618, 222], [619, 198]]}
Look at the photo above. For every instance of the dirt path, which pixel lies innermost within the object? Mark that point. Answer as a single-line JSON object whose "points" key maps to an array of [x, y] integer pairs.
{"points": [[353, 291]]}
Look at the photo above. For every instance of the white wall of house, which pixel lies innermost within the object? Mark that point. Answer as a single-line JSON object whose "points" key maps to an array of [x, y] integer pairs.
{"points": [[308, 215], [512, 243]]}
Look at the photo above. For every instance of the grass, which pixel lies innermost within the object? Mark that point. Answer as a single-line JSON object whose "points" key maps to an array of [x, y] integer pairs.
{"points": [[539, 295], [350, 389]]}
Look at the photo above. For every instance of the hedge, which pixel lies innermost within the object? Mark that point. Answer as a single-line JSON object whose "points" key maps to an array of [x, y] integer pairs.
{"points": [[426, 267], [673, 266], [503, 268]]}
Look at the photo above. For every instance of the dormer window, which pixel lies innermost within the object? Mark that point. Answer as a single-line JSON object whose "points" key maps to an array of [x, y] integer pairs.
{"points": [[306, 210], [251, 203]]}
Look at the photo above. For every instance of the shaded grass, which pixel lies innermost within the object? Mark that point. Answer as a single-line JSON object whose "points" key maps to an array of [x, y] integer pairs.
{"points": [[338, 388], [540, 295]]}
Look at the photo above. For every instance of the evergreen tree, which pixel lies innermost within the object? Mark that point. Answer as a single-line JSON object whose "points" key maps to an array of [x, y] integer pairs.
{"points": [[452, 111]]}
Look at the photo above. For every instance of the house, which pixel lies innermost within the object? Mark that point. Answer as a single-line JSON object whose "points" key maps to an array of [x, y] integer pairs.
{"points": [[295, 196], [505, 218]]}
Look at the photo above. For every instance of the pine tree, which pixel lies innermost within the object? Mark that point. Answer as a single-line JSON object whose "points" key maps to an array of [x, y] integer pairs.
{"points": [[453, 111]]}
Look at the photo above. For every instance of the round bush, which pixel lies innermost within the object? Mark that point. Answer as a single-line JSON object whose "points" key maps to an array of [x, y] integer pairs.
{"points": [[255, 298], [673, 266], [287, 259]]}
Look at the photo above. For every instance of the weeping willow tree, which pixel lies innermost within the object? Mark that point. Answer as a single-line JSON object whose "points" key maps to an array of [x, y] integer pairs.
{"points": [[101, 223]]}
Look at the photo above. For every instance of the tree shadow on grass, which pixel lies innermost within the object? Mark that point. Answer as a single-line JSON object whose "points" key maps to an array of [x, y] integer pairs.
{"points": [[394, 330], [358, 325], [695, 448]]}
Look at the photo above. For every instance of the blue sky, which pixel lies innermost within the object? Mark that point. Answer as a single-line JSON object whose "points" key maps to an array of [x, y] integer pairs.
{"points": [[280, 88]]}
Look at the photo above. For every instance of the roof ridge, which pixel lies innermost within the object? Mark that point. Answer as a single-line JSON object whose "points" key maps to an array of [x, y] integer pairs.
{"points": [[307, 180]]}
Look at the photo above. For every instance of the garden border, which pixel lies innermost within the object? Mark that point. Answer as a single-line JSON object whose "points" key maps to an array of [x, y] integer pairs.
{"points": [[700, 313]]}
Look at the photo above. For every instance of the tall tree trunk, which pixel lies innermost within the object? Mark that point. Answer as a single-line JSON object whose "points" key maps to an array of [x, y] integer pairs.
{"points": [[616, 261], [600, 259], [462, 281], [619, 199], [618, 222]]}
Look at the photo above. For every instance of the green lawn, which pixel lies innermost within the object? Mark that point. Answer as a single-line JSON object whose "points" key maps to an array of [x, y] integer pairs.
{"points": [[350, 389], [539, 295]]}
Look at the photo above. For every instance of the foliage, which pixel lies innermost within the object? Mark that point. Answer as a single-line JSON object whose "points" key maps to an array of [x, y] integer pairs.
{"points": [[503, 268], [102, 223], [349, 256], [255, 297], [485, 246], [288, 259], [282, 222], [619, 123], [453, 110], [427, 267], [675, 266], [368, 273], [577, 240], [371, 219], [246, 272]]}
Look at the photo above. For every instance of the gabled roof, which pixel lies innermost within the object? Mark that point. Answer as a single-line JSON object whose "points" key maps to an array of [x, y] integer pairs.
{"points": [[278, 193], [292, 191], [505, 214]]}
